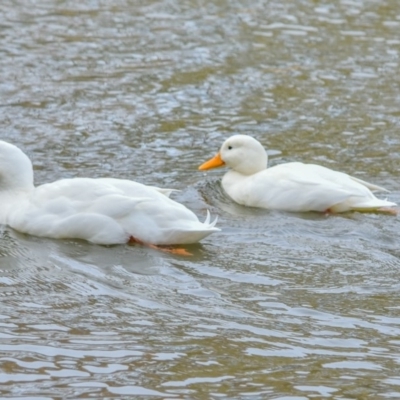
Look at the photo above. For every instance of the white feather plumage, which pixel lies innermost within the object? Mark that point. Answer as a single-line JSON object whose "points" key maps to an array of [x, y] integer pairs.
{"points": [[102, 211]]}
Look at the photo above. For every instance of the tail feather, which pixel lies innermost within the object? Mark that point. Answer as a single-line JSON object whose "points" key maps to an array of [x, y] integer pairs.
{"points": [[370, 186], [208, 219], [192, 234], [373, 204], [212, 225]]}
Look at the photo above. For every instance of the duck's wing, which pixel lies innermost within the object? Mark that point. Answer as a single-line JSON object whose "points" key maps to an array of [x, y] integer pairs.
{"points": [[165, 191], [370, 186], [295, 187], [77, 208], [107, 212], [310, 187], [339, 177], [131, 188]]}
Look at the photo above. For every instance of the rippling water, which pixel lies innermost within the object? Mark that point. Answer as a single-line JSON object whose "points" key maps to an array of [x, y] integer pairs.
{"points": [[277, 305]]}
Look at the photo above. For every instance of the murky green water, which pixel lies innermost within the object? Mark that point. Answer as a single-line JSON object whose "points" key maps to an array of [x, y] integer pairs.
{"points": [[276, 306]]}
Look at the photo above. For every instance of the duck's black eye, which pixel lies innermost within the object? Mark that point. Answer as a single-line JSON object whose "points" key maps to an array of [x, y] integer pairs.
{"points": [[229, 147]]}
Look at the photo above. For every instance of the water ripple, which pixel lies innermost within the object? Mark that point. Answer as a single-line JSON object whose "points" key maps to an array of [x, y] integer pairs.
{"points": [[276, 305]]}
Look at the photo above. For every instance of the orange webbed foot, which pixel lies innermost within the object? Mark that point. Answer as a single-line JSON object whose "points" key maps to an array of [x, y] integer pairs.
{"points": [[389, 210], [166, 249]]}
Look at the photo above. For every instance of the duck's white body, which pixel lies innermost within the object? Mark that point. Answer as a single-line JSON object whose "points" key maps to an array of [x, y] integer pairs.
{"points": [[292, 186], [102, 211]]}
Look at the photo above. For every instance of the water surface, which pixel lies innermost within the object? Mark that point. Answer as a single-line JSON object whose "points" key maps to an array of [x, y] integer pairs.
{"points": [[277, 305]]}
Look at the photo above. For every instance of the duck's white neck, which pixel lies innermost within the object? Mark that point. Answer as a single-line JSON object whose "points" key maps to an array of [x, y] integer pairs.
{"points": [[15, 183], [16, 172], [252, 164], [16, 180], [233, 178]]}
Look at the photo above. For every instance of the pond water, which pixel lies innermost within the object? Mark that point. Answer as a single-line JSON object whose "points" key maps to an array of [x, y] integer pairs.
{"points": [[275, 306]]}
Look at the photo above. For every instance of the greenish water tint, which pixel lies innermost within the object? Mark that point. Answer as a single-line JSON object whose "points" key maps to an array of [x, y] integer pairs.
{"points": [[277, 305]]}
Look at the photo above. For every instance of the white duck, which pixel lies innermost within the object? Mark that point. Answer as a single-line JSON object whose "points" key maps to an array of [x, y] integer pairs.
{"points": [[102, 211], [291, 186]]}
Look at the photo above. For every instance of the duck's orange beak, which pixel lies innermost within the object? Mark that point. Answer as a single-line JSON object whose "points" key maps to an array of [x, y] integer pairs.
{"points": [[214, 162]]}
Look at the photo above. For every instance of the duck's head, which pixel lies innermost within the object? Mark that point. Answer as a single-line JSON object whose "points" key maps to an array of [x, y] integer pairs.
{"points": [[242, 153], [16, 170]]}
